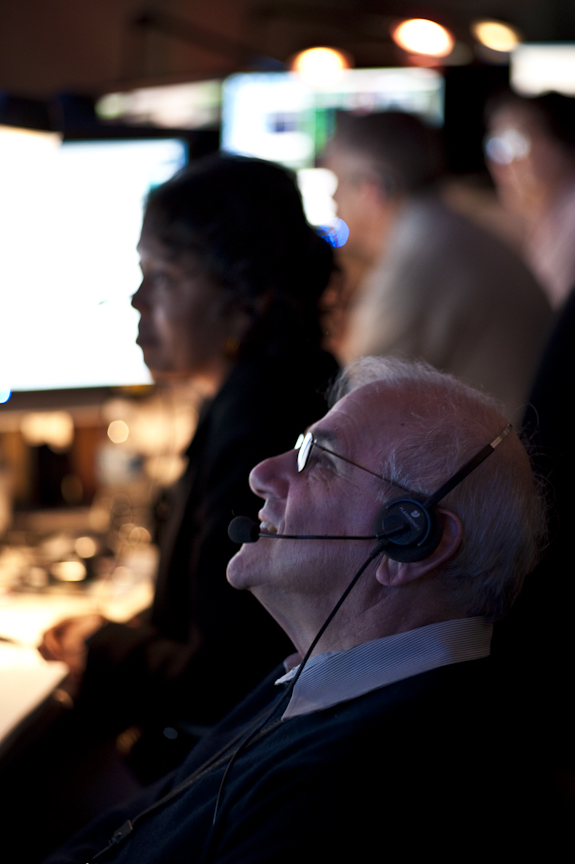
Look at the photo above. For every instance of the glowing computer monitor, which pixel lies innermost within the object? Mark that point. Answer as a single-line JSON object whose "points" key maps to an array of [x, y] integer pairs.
{"points": [[281, 117], [70, 217]]}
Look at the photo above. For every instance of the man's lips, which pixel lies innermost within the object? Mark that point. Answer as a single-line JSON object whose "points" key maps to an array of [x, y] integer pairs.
{"points": [[265, 525]]}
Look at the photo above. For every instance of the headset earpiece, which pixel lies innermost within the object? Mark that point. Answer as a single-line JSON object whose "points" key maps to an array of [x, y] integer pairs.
{"points": [[413, 531]]}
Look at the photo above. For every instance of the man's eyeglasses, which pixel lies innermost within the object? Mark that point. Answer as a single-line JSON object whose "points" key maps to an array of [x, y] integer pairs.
{"points": [[306, 443]]}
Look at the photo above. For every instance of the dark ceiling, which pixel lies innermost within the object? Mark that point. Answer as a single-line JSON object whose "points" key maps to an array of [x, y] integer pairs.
{"points": [[95, 45]]}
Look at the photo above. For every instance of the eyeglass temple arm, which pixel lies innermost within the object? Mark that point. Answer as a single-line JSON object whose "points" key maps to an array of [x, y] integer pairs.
{"points": [[466, 469]]}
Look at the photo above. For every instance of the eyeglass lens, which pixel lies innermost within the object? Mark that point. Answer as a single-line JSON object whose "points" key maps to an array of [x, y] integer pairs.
{"points": [[303, 445]]}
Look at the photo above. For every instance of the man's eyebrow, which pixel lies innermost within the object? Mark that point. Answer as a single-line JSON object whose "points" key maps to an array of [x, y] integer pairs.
{"points": [[327, 437]]}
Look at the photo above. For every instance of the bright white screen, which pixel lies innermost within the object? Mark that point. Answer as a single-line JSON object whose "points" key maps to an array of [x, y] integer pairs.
{"points": [[279, 116], [70, 218], [538, 68]]}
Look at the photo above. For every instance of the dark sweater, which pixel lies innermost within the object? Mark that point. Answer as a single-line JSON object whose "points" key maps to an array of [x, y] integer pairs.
{"points": [[426, 766]]}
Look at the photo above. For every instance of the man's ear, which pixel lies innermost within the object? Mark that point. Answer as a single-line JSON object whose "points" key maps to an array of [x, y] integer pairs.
{"points": [[396, 573]]}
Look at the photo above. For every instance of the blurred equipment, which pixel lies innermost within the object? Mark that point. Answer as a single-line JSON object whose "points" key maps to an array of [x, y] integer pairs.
{"points": [[284, 118], [193, 105]]}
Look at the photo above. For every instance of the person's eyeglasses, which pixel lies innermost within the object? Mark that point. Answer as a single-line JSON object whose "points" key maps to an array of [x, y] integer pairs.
{"points": [[305, 444], [506, 146]]}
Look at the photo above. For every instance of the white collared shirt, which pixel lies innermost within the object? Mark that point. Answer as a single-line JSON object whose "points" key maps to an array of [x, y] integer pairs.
{"points": [[338, 676]]}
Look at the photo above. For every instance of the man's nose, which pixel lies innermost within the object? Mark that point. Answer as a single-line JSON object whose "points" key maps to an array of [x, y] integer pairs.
{"points": [[272, 476]]}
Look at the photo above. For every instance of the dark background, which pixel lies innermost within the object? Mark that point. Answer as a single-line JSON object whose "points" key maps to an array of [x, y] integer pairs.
{"points": [[56, 56]]}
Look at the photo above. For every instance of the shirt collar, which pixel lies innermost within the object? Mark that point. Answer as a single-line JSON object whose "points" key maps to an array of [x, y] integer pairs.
{"points": [[338, 676]]}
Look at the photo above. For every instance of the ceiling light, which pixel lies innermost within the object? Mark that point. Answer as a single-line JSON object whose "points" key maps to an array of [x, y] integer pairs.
{"points": [[319, 66], [421, 36], [496, 35]]}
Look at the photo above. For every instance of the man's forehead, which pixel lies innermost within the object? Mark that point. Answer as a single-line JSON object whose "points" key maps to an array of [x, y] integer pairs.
{"points": [[355, 417]]}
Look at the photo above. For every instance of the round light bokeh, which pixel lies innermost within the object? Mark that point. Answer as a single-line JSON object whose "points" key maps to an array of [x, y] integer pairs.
{"points": [[421, 36], [496, 35], [118, 431], [320, 66]]}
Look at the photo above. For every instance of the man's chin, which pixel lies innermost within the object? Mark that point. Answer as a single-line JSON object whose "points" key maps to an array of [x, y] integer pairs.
{"points": [[241, 568]]}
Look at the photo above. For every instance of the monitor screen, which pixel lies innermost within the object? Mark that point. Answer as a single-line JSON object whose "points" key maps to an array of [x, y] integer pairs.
{"points": [[278, 116], [282, 117], [70, 218], [539, 67]]}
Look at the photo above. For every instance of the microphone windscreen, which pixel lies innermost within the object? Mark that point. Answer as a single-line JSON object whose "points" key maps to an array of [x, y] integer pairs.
{"points": [[242, 529]]}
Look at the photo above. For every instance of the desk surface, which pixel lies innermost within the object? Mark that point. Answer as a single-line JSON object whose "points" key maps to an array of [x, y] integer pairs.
{"points": [[26, 680]]}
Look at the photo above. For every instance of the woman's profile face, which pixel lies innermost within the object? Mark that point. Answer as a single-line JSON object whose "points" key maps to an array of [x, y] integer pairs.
{"points": [[183, 328]]}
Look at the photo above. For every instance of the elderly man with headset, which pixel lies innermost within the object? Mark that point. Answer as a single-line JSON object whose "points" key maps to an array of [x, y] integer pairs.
{"points": [[408, 519]]}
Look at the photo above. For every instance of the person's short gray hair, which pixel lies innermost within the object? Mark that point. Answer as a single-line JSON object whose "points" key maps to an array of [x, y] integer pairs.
{"points": [[500, 504]]}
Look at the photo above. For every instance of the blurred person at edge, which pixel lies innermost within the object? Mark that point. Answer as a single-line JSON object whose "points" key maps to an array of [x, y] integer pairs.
{"points": [[438, 287], [232, 278], [530, 150]]}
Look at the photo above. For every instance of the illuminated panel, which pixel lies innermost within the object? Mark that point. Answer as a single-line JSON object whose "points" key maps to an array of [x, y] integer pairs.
{"points": [[282, 117], [70, 218], [194, 105], [538, 68]]}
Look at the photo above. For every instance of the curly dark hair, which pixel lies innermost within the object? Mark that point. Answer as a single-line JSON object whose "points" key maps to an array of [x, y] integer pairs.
{"points": [[244, 219]]}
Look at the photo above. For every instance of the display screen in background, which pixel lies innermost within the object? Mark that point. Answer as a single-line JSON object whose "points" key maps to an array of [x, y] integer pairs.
{"points": [[70, 219], [281, 117], [540, 67]]}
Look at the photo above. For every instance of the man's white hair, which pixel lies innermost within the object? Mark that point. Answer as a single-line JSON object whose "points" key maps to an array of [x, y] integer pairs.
{"points": [[499, 504]]}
